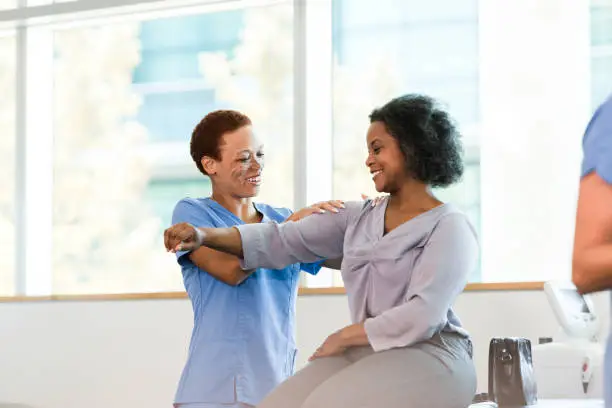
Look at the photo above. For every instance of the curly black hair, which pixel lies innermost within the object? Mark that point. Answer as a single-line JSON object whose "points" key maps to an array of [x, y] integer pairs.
{"points": [[427, 136]]}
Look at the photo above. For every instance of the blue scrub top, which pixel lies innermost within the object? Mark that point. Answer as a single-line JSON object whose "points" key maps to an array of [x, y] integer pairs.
{"points": [[597, 149], [597, 143], [243, 343]]}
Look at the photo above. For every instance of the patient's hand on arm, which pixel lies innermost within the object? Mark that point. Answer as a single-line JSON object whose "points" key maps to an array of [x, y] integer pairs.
{"points": [[206, 253], [186, 237]]}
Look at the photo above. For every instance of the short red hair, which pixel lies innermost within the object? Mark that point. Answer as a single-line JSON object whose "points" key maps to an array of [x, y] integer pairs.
{"points": [[206, 136]]}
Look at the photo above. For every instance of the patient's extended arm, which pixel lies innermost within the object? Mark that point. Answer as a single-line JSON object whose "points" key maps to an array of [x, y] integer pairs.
{"points": [[270, 245]]}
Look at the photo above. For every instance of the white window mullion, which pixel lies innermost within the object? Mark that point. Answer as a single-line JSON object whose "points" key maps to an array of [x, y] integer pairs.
{"points": [[45, 12], [319, 100], [299, 105], [20, 162], [35, 161], [313, 108]]}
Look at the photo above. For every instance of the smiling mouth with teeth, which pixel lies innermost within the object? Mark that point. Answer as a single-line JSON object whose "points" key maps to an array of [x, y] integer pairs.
{"points": [[254, 180], [376, 173]]}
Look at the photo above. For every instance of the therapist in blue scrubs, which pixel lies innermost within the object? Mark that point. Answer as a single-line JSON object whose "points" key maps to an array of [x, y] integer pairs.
{"points": [[242, 345], [592, 258]]}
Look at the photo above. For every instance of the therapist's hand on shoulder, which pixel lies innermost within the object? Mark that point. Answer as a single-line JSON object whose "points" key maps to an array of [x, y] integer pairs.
{"points": [[182, 237], [322, 207]]}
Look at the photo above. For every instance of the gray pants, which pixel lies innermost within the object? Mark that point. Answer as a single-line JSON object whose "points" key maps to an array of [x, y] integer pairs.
{"points": [[438, 373]]}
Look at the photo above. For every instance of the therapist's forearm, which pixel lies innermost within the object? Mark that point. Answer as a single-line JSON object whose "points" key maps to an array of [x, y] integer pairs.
{"points": [[592, 269], [226, 240], [354, 335]]}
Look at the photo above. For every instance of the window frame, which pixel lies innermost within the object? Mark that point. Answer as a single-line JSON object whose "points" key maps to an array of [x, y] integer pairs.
{"points": [[312, 126], [33, 215]]}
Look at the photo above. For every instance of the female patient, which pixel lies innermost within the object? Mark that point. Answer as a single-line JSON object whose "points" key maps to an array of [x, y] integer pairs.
{"points": [[242, 344], [405, 262]]}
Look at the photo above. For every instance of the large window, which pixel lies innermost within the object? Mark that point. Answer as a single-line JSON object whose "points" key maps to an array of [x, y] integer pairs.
{"points": [[101, 169], [99, 102], [116, 99], [137, 92], [502, 85]]}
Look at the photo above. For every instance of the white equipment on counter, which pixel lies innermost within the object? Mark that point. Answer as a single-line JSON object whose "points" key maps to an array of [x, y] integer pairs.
{"points": [[572, 365]]}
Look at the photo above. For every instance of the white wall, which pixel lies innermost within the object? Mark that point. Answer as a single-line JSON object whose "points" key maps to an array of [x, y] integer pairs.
{"points": [[128, 354]]}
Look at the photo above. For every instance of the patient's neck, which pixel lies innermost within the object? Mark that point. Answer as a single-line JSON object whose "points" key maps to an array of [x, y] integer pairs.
{"points": [[413, 196]]}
